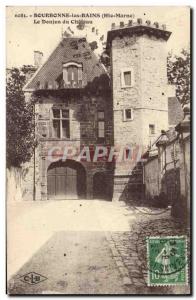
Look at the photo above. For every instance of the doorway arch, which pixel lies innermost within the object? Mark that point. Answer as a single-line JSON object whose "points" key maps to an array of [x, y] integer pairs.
{"points": [[66, 180]]}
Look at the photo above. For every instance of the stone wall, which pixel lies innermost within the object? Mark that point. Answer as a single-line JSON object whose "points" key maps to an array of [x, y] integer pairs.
{"points": [[83, 117], [146, 57], [181, 207], [83, 132], [125, 56], [187, 166], [151, 178], [149, 94], [154, 86], [161, 173]]}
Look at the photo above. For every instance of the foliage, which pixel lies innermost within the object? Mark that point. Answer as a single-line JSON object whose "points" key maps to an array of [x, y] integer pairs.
{"points": [[105, 59], [20, 121], [178, 71]]}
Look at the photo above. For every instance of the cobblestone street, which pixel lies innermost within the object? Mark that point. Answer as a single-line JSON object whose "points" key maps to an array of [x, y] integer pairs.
{"points": [[129, 248], [85, 247]]}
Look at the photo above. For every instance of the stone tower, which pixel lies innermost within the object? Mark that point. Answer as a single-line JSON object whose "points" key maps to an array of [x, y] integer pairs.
{"points": [[139, 85]]}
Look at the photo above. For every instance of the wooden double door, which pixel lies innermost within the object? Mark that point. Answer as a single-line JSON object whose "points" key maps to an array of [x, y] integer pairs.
{"points": [[62, 182]]}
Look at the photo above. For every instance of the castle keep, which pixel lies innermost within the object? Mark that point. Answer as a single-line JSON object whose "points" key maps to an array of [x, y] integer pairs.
{"points": [[80, 106], [139, 87]]}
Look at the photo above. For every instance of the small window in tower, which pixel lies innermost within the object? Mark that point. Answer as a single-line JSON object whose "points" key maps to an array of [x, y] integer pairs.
{"points": [[128, 114], [127, 77], [151, 129]]}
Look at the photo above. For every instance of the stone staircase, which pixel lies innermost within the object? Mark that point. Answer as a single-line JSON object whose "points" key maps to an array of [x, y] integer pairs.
{"points": [[130, 188]]}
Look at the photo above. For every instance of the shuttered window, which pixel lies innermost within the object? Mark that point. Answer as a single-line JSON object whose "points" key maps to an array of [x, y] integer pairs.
{"points": [[72, 75], [101, 129], [101, 124]]}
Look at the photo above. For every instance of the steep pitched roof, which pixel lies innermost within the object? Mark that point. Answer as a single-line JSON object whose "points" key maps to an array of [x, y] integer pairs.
{"points": [[69, 49]]}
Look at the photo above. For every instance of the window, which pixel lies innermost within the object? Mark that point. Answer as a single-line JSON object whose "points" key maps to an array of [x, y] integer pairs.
{"points": [[101, 129], [151, 129], [128, 114], [72, 75], [56, 113], [100, 115], [101, 124], [60, 123], [127, 77], [56, 128]]}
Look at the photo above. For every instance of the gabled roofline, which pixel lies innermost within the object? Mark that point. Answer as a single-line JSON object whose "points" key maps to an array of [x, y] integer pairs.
{"points": [[38, 70], [29, 81]]}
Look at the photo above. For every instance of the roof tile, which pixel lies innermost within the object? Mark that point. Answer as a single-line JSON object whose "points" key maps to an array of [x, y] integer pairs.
{"points": [[69, 49]]}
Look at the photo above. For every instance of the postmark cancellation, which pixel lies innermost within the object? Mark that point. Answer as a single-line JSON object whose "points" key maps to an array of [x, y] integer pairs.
{"points": [[167, 260]]}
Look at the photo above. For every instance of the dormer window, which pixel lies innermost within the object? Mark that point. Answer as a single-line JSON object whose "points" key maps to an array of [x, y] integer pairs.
{"points": [[72, 75]]}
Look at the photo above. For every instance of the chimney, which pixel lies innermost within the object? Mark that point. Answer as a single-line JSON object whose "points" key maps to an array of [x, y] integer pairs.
{"points": [[139, 21], [38, 55]]}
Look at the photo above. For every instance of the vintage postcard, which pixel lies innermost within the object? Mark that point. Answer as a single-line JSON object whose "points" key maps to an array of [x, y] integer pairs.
{"points": [[98, 150]]}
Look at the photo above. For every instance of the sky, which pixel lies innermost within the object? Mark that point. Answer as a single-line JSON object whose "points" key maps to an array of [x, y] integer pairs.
{"points": [[23, 36]]}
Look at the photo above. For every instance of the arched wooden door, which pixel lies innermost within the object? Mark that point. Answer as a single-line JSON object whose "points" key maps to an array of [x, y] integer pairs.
{"points": [[63, 181]]}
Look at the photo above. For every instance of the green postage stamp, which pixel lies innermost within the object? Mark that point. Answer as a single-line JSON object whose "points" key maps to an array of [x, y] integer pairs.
{"points": [[167, 260]]}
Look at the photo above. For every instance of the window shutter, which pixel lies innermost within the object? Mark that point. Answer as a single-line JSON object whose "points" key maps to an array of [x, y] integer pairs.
{"points": [[79, 73], [50, 124], [65, 76]]}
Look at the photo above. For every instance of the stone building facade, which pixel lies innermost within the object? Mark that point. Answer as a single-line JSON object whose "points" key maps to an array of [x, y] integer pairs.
{"points": [[162, 169], [73, 109], [139, 89], [79, 106], [167, 169]]}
